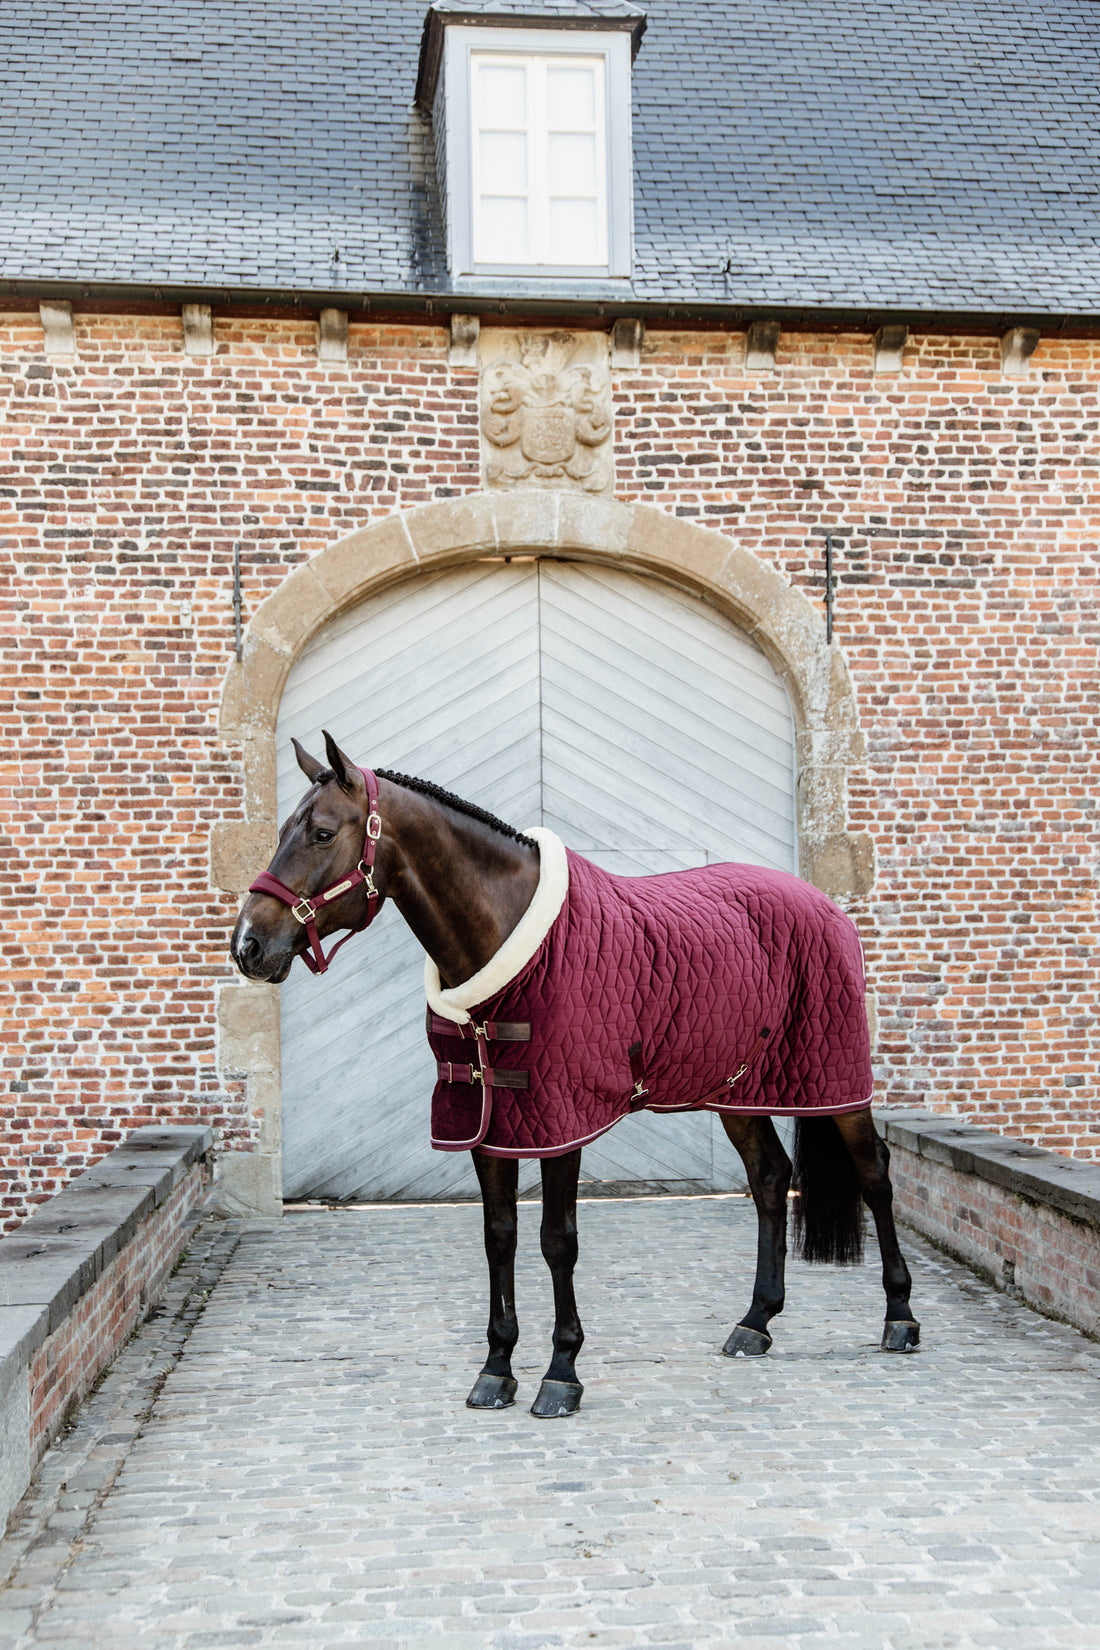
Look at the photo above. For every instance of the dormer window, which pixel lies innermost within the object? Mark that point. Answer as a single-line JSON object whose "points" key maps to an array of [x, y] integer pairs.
{"points": [[532, 140]]}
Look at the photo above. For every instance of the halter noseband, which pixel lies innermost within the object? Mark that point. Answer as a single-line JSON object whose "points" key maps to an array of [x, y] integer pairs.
{"points": [[305, 907]]}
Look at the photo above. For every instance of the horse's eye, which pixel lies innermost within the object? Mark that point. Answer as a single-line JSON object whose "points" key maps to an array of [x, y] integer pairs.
{"points": [[324, 836]]}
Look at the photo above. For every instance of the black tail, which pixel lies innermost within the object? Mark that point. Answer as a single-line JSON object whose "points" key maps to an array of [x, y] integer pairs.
{"points": [[828, 1213]]}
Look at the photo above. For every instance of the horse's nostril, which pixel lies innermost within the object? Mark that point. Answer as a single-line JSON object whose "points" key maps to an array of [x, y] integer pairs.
{"points": [[247, 954]]}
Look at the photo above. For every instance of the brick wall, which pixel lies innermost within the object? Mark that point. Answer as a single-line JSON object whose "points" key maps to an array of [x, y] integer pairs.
{"points": [[966, 513]]}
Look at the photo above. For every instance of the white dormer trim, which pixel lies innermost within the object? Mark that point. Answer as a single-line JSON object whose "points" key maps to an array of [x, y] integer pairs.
{"points": [[459, 147]]}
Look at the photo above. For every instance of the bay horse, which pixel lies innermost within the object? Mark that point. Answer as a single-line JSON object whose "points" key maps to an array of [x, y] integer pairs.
{"points": [[470, 887]]}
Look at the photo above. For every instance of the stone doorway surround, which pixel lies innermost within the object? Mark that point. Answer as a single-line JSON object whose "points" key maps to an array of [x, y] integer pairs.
{"points": [[638, 538]]}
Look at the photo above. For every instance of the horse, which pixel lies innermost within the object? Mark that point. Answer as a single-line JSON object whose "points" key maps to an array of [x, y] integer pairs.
{"points": [[469, 887]]}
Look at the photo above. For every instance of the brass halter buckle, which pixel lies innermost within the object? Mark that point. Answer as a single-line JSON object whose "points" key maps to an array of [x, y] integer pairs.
{"points": [[303, 905]]}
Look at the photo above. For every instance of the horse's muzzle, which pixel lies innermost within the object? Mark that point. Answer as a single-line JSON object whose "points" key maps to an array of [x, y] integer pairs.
{"points": [[255, 962]]}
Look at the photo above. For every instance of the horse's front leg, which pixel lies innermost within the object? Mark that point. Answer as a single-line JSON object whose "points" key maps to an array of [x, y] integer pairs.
{"points": [[560, 1392], [769, 1175], [498, 1177]]}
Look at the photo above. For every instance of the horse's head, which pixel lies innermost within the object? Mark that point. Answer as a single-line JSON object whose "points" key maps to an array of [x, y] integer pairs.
{"points": [[324, 849]]}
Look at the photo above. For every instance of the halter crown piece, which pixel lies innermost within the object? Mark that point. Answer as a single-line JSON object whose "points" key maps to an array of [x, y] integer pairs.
{"points": [[306, 907]]}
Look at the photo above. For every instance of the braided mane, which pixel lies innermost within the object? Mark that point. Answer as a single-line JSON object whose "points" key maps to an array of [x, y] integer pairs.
{"points": [[438, 794]]}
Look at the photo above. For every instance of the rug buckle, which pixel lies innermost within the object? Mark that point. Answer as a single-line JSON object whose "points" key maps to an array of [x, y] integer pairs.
{"points": [[738, 1074]]}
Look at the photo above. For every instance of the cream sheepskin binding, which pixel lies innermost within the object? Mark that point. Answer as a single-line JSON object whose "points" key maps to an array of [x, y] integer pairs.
{"points": [[521, 944]]}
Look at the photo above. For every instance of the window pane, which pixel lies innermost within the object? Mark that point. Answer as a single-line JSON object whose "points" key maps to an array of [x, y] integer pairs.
{"points": [[503, 236], [572, 164], [502, 94], [574, 232], [503, 163], [571, 95]]}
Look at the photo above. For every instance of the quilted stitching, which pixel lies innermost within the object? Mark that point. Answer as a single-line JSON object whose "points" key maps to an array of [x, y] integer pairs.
{"points": [[710, 970]]}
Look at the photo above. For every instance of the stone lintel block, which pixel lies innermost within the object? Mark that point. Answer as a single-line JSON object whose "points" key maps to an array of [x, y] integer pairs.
{"points": [[239, 851], [667, 543], [828, 747], [259, 772], [601, 526], [291, 614], [253, 688], [1017, 348], [462, 347], [365, 560], [757, 591], [440, 532], [761, 343], [890, 342], [526, 521], [332, 335], [822, 801], [57, 327], [627, 338], [872, 1017], [248, 1028], [841, 866], [249, 1183], [198, 329]]}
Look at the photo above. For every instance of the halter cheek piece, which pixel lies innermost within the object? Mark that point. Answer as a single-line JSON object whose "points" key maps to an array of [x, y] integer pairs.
{"points": [[305, 907]]}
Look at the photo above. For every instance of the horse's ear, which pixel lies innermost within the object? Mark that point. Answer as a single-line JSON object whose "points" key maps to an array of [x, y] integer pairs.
{"points": [[308, 764], [347, 773]]}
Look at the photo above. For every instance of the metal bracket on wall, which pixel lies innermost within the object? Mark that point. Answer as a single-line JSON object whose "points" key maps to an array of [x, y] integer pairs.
{"points": [[238, 599], [830, 589]]}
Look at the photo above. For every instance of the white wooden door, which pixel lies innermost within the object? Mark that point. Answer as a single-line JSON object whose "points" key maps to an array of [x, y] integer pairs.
{"points": [[626, 715]]}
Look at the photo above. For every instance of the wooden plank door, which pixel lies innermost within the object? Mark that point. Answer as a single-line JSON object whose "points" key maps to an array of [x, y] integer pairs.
{"points": [[628, 716]]}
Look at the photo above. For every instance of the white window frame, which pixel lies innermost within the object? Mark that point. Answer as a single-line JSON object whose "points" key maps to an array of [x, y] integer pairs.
{"points": [[464, 45]]}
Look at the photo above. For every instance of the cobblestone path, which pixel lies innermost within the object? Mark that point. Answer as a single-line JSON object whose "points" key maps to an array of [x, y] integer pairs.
{"points": [[282, 1456]]}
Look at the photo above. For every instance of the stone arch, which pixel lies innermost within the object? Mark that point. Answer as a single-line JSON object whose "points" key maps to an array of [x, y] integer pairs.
{"points": [[637, 538]]}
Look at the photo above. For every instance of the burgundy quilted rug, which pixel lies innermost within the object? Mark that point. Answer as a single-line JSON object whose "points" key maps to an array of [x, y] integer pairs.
{"points": [[729, 988]]}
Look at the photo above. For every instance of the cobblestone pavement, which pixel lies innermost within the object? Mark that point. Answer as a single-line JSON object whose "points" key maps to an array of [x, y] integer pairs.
{"points": [[282, 1456]]}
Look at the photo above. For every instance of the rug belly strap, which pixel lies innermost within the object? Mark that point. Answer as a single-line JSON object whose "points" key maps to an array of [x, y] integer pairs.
{"points": [[489, 1076]]}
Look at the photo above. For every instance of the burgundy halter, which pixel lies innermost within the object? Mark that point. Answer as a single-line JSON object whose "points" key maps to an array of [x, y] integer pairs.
{"points": [[305, 908]]}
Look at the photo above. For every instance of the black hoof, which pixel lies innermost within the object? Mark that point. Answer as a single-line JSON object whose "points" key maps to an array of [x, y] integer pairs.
{"points": [[557, 1398], [900, 1335], [747, 1343], [492, 1392]]}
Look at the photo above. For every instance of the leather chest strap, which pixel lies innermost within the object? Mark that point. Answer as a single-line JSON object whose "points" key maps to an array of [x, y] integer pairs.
{"points": [[496, 1031]]}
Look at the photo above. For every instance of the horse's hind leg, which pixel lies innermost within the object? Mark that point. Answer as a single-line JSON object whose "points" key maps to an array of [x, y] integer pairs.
{"points": [[871, 1157], [560, 1392], [498, 1177], [769, 1174]]}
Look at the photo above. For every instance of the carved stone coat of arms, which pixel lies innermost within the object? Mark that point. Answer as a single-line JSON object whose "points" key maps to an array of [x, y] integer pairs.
{"points": [[547, 424]]}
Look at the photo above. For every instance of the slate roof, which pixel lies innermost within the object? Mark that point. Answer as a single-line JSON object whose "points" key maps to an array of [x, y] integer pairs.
{"points": [[817, 153]]}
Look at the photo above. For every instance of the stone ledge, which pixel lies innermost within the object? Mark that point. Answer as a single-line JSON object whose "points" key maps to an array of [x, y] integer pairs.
{"points": [[1037, 1175], [89, 1239], [1025, 1218]]}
